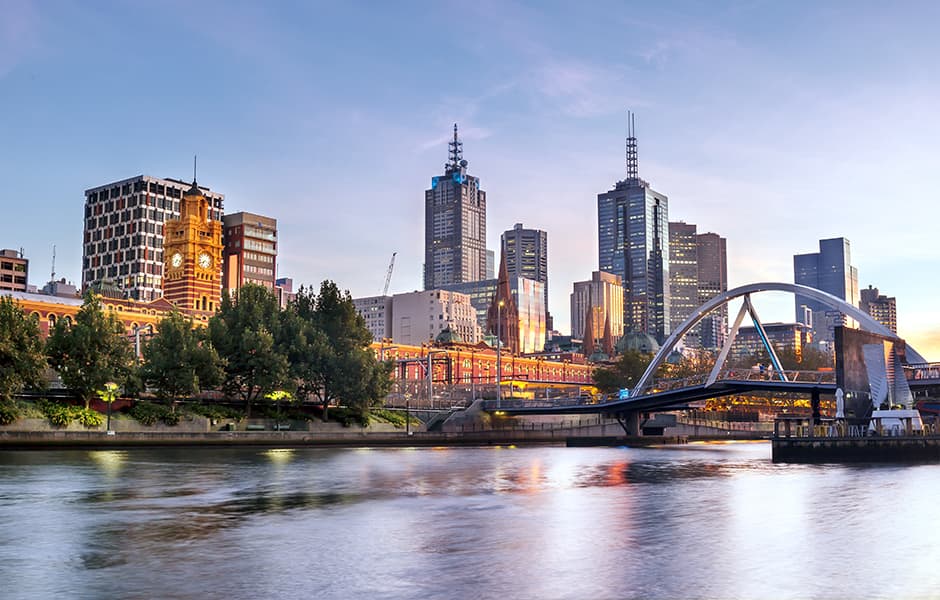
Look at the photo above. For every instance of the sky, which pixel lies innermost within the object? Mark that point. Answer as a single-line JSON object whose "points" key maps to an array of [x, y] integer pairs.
{"points": [[774, 124]]}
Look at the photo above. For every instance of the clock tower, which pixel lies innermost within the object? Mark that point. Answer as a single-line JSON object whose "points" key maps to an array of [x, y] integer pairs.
{"points": [[192, 251]]}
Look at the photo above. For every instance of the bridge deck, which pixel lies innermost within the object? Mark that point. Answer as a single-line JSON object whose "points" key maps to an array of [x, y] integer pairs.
{"points": [[679, 394]]}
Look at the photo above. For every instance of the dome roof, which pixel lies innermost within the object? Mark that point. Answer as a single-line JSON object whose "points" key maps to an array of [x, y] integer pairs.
{"points": [[194, 190], [448, 336], [639, 342]]}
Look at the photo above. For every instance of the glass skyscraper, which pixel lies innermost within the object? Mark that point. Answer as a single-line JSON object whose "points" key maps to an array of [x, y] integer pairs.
{"points": [[454, 224], [831, 271], [633, 243], [526, 252]]}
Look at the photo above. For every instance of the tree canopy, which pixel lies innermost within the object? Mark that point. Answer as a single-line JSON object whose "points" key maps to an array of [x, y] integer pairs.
{"points": [[21, 351], [245, 333], [625, 372], [179, 361], [331, 358], [91, 351]]}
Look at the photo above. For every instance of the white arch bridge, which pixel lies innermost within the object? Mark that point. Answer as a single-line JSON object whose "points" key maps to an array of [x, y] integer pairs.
{"points": [[649, 395]]}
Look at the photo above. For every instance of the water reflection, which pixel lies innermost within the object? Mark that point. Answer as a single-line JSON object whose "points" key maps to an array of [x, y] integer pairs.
{"points": [[701, 521]]}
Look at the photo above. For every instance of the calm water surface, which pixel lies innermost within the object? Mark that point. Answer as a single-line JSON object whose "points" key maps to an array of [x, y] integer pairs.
{"points": [[697, 521]]}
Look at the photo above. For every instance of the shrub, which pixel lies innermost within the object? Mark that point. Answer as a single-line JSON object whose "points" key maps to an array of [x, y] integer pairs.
{"points": [[59, 415], [89, 417], [213, 411], [8, 413], [148, 413]]}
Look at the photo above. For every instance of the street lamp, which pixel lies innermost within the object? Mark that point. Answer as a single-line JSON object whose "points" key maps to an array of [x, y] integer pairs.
{"points": [[137, 331], [108, 395], [499, 352], [430, 370]]}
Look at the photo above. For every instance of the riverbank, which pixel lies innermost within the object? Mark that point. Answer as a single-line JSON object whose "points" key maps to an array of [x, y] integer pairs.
{"points": [[351, 439]]}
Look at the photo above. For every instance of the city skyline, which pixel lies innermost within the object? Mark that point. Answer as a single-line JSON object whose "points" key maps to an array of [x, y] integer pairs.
{"points": [[827, 130]]}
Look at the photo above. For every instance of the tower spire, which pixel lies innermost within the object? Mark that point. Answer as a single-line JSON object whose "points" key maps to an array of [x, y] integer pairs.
{"points": [[456, 151], [632, 169], [194, 169]]}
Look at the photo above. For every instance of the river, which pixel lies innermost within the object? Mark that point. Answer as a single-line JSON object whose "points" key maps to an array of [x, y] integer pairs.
{"points": [[695, 521]]}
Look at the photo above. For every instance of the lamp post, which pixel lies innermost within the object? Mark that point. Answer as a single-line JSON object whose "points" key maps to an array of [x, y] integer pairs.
{"points": [[108, 395], [137, 331], [499, 353], [430, 370]]}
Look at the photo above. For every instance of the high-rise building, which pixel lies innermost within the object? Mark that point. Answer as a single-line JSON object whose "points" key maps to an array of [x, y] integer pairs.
{"points": [[881, 308], [284, 290], [526, 295], [602, 294], [123, 240], [633, 243], [697, 273], [683, 278], [420, 317], [526, 252], [250, 253], [490, 264], [14, 271], [829, 270], [712, 281], [788, 338], [454, 224], [192, 276], [377, 313]]}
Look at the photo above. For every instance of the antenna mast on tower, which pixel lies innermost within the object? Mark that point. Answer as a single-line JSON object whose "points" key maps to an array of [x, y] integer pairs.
{"points": [[633, 172], [53, 263], [456, 151]]}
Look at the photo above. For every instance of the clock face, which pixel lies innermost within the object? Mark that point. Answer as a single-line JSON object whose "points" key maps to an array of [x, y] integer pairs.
{"points": [[176, 260], [205, 261]]}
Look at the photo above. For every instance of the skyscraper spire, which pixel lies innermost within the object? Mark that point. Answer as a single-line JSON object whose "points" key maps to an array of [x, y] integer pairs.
{"points": [[456, 151], [632, 168]]}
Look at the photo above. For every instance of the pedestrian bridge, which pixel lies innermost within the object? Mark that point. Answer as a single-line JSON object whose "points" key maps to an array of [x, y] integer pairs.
{"points": [[677, 393], [650, 394]]}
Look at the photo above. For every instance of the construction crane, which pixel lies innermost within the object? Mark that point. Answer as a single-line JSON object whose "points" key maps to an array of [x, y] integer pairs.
{"points": [[388, 277]]}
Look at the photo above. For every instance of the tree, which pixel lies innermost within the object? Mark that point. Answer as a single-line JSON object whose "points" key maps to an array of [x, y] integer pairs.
{"points": [[332, 359], [179, 361], [21, 353], [243, 333], [92, 351], [624, 373]]}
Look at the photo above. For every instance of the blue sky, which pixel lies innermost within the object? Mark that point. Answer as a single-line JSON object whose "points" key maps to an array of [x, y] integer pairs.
{"points": [[774, 124]]}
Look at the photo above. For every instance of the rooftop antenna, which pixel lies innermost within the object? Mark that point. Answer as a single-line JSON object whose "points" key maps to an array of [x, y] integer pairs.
{"points": [[53, 263], [194, 168], [632, 169], [456, 150]]}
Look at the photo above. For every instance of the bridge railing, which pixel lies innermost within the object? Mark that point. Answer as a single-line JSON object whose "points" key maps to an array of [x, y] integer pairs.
{"points": [[922, 371], [745, 374]]}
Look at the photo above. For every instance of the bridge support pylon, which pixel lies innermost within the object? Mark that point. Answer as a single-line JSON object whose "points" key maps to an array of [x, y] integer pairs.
{"points": [[630, 421]]}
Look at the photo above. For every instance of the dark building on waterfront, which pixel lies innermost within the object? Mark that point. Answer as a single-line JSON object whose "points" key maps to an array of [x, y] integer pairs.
{"points": [[633, 243], [454, 224]]}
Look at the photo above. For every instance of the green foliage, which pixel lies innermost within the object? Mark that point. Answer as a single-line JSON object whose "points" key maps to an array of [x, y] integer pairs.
{"points": [[90, 352], [330, 354], [149, 413], [8, 413], [213, 411], [246, 333], [89, 417], [179, 361], [21, 352], [60, 415], [624, 373], [396, 418]]}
